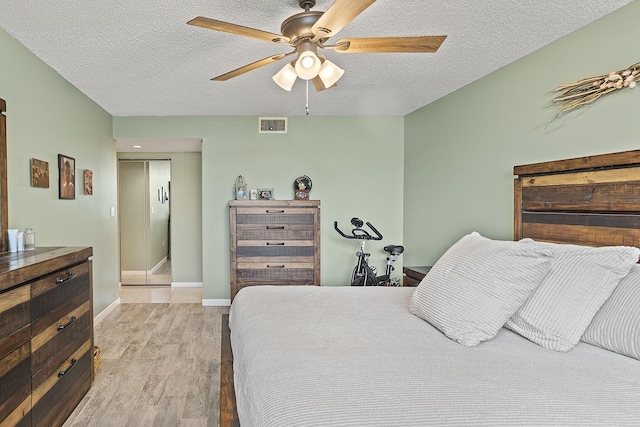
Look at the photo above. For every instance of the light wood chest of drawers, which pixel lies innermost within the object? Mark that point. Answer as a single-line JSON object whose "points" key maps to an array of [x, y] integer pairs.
{"points": [[46, 337], [274, 242]]}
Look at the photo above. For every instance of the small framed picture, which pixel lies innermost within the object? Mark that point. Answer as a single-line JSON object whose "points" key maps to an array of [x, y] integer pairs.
{"points": [[265, 194], [67, 180], [39, 173], [88, 182]]}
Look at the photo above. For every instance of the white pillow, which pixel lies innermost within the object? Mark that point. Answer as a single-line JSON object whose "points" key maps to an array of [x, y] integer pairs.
{"points": [[616, 326], [477, 285], [580, 281]]}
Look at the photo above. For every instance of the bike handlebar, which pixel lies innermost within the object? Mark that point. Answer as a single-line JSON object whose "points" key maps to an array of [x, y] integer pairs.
{"points": [[364, 235]]}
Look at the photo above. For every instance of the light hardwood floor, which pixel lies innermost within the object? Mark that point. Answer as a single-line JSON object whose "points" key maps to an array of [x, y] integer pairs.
{"points": [[160, 276], [159, 294], [160, 367]]}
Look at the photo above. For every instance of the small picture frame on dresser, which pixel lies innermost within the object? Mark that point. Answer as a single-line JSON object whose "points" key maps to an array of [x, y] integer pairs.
{"points": [[265, 194]]}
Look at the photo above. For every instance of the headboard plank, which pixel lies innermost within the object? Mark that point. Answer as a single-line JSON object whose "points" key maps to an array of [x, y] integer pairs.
{"points": [[591, 201], [624, 158], [582, 235]]}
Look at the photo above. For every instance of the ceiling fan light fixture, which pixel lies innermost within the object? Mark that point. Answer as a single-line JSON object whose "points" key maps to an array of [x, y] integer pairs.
{"points": [[330, 73], [308, 65], [286, 77]]}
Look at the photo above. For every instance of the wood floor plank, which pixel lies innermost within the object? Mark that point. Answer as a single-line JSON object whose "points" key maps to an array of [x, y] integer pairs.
{"points": [[160, 367]]}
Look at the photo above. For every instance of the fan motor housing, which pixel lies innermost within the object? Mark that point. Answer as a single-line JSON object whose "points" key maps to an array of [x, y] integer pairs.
{"points": [[299, 26]]}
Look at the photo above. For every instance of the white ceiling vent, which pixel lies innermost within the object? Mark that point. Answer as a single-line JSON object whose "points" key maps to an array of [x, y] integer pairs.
{"points": [[272, 125]]}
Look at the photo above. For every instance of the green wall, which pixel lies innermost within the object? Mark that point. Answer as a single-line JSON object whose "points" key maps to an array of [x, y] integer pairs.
{"points": [[460, 150], [47, 116], [186, 213], [356, 164]]}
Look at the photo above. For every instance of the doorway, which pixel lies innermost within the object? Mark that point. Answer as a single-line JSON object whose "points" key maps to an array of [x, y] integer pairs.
{"points": [[145, 222]]}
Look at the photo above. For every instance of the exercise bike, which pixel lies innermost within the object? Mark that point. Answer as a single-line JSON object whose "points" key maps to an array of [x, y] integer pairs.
{"points": [[364, 274]]}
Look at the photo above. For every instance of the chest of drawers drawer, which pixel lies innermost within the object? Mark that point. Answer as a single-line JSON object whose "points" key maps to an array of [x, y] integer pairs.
{"points": [[275, 232], [58, 389]]}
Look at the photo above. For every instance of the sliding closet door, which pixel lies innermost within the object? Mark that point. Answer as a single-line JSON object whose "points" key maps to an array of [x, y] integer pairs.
{"points": [[133, 222], [145, 257]]}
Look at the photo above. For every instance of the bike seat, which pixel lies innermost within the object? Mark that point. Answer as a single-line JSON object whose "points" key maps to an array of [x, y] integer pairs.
{"points": [[394, 249]]}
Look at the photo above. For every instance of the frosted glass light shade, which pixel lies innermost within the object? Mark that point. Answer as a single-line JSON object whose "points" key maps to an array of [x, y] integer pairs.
{"points": [[330, 73], [286, 77], [307, 65]]}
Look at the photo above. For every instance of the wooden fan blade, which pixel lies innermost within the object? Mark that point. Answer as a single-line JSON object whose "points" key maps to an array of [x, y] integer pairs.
{"points": [[338, 16], [319, 85], [226, 27], [422, 44], [251, 67]]}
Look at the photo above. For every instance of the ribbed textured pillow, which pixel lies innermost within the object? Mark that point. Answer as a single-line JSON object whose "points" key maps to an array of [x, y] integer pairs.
{"points": [[477, 285], [616, 326], [580, 281]]}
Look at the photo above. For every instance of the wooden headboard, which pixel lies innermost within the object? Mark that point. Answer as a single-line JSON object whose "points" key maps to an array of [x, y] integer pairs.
{"points": [[591, 201]]}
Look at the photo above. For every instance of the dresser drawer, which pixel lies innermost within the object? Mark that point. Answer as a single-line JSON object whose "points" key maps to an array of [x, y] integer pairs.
{"points": [[56, 395], [270, 250], [15, 315], [15, 387], [275, 232], [276, 216], [60, 336], [291, 273], [57, 294], [275, 212]]}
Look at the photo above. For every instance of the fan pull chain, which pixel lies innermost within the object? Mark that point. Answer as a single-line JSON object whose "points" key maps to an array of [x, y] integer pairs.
{"points": [[307, 105]]}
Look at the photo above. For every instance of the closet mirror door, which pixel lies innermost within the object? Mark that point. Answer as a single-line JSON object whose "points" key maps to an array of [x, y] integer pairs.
{"points": [[144, 200]]}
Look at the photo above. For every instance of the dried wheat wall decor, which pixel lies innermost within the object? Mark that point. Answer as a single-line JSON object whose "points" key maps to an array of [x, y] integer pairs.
{"points": [[587, 91]]}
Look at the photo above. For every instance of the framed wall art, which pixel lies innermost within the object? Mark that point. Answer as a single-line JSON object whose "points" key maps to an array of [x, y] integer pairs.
{"points": [[88, 182], [39, 173], [67, 180]]}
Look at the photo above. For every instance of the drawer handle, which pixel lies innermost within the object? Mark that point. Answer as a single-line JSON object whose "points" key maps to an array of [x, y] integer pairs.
{"points": [[275, 227], [71, 320], [70, 275], [275, 266], [73, 363], [274, 211], [275, 244]]}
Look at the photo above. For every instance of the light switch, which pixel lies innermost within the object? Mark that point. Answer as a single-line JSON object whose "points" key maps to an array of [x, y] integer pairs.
{"points": [[113, 211]]}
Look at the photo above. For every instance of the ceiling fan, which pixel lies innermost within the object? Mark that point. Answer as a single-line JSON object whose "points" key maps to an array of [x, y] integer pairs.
{"points": [[309, 30]]}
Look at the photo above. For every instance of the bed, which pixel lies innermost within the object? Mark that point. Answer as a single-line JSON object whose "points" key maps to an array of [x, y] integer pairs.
{"points": [[375, 356]]}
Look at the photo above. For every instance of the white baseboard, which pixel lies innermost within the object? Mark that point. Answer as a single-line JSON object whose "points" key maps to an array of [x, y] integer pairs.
{"points": [[134, 273], [158, 265], [104, 313], [216, 302], [186, 284]]}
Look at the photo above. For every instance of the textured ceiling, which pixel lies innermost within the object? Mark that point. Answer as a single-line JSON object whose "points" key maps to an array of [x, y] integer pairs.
{"points": [[139, 58]]}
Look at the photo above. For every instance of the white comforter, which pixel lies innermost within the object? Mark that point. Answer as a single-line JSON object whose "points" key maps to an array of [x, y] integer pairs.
{"points": [[355, 356]]}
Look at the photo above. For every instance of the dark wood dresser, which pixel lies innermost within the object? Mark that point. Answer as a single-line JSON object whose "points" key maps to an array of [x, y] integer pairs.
{"points": [[46, 334], [274, 242], [414, 275]]}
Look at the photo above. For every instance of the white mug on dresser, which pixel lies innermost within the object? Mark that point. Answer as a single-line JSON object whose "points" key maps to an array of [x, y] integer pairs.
{"points": [[13, 239]]}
